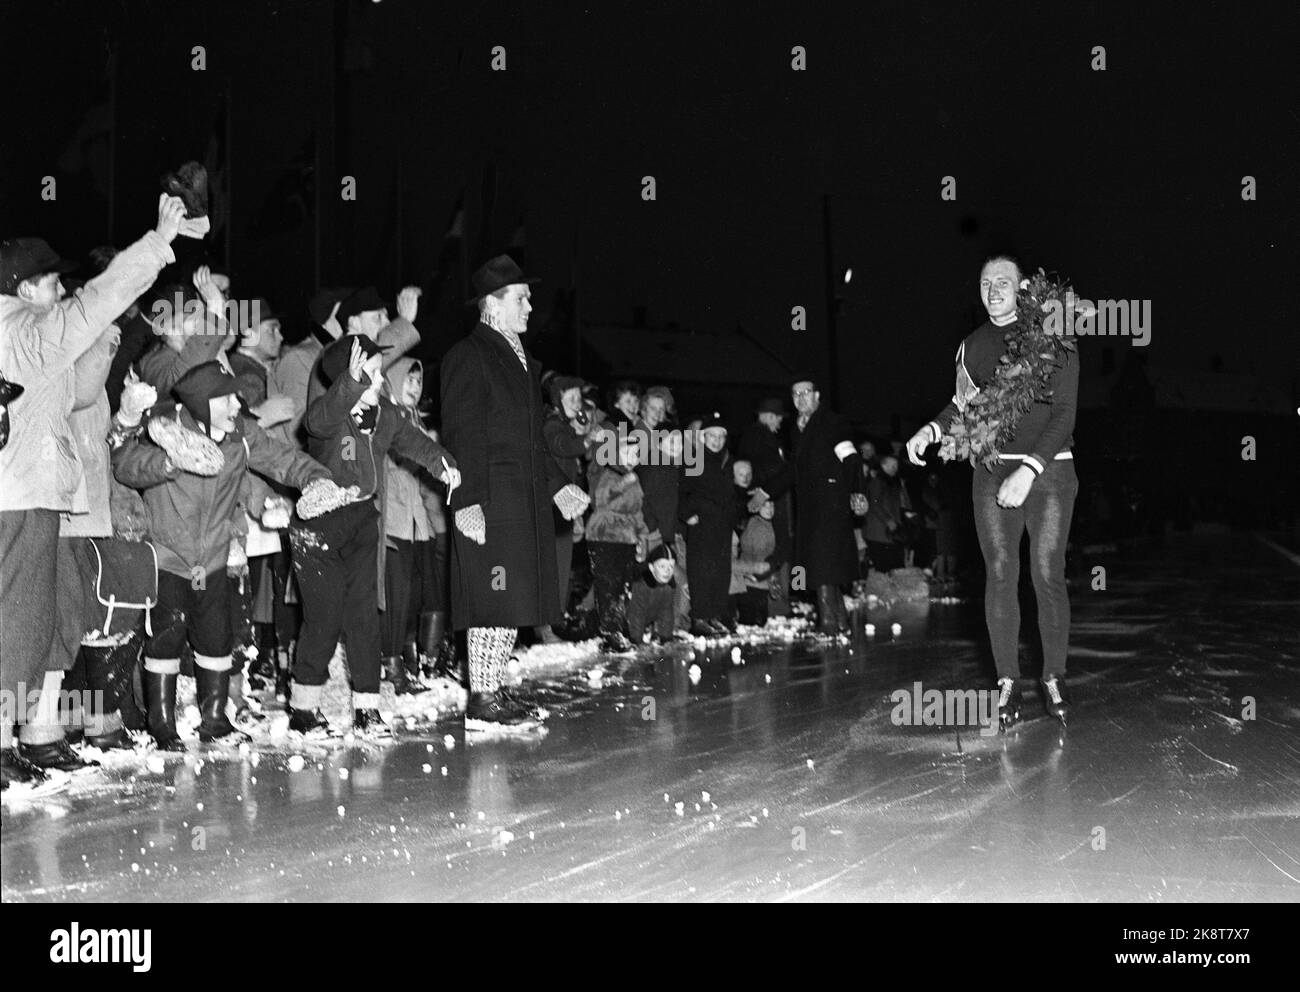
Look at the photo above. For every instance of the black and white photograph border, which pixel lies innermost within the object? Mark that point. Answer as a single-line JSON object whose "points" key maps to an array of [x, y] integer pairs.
{"points": [[666, 453]]}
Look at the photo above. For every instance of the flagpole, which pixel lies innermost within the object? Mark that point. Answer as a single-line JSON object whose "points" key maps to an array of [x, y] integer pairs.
{"points": [[112, 138], [577, 301], [228, 210]]}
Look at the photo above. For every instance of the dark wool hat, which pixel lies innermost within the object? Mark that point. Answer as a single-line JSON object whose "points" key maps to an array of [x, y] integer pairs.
{"points": [[362, 301], [661, 553], [320, 305], [190, 183], [773, 404], [208, 381], [805, 375], [23, 258], [496, 273], [713, 419], [334, 361]]}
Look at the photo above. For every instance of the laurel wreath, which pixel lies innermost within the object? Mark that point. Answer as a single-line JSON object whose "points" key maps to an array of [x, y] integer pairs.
{"points": [[1022, 378]]}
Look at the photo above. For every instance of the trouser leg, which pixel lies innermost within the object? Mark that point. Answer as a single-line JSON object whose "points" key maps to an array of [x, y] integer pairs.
{"points": [[999, 532], [1049, 507]]}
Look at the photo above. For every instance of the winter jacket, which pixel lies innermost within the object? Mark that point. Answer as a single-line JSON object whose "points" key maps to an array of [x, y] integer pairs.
{"points": [[358, 458], [827, 471], [406, 515], [89, 422], [492, 416], [565, 445], [40, 467], [885, 517], [616, 514], [753, 562], [291, 376], [399, 336], [162, 367], [661, 482], [192, 518], [651, 607]]}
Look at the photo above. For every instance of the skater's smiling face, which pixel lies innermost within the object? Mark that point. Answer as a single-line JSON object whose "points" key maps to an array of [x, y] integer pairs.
{"points": [[998, 281]]}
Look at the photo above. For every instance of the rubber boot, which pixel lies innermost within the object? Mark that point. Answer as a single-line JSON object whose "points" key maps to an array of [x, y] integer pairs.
{"points": [[411, 662], [827, 616], [395, 672], [160, 700], [430, 640], [133, 717], [108, 677], [213, 689]]}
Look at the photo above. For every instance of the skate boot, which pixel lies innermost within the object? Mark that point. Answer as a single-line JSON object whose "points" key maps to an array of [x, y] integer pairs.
{"points": [[1054, 698], [16, 769], [160, 698], [368, 723], [213, 689], [310, 723], [57, 754], [1009, 700]]}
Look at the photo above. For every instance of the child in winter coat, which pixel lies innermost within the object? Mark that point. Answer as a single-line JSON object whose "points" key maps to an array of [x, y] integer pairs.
{"points": [[708, 509], [617, 538], [192, 478], [650, 611], [753, 565], [338, 555], [409, 536]]}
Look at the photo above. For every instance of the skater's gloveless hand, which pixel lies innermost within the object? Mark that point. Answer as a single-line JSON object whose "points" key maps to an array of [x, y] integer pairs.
{"points": [[917, 444], [1015, 488]]}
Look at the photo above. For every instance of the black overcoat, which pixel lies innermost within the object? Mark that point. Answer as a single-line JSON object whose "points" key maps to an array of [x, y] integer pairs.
{"points": [[492, 420], [824, 521]]}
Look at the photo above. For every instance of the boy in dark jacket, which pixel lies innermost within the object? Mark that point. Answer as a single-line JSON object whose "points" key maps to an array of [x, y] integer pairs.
{"points": [[650, 610], [350, 430], [192, 479], [708, 509]]}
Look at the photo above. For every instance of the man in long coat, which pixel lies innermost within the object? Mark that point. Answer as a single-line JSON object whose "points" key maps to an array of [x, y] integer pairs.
{"points": [[828, 493], [504, 574]]}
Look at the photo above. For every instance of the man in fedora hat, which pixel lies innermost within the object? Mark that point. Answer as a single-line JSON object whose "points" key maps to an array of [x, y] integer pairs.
{"points": [[828, 493], [504, 574]]}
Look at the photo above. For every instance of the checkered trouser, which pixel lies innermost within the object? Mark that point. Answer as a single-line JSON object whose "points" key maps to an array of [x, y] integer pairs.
{"points": [[489, 652]]}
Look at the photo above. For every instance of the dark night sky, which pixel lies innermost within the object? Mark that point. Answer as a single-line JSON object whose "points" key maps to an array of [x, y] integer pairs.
{"points": [[1127, 180]]}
